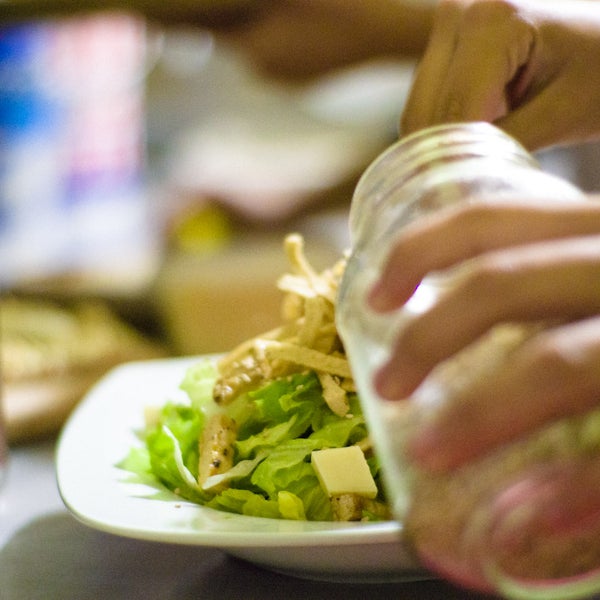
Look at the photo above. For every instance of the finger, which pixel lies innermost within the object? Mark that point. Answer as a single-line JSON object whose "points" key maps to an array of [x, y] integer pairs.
{"points": [[420, 105], [461, 233], [552, 376], [555, 280]]}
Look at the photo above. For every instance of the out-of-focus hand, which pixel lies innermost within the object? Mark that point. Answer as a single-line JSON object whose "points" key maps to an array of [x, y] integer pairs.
{"points": [[526, 65], [304, 38], [518, 261]]}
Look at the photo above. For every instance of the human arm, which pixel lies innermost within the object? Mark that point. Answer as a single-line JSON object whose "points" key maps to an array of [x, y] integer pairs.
{"points": [[304, 38], [291, 39]]}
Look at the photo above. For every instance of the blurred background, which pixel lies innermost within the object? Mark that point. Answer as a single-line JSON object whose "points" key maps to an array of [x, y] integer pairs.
{"points": [[150, 167]]}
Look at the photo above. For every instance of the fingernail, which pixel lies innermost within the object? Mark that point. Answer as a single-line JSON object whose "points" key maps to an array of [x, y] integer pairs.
{"points": [[390, 384], [379, 299], [426, 449]]}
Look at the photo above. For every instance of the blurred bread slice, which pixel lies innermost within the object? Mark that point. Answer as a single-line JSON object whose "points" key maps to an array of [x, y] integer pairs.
{"points": [[51, 354]]}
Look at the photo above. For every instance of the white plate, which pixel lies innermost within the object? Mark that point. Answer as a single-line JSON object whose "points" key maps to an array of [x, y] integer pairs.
{"points": [[100, 433]]}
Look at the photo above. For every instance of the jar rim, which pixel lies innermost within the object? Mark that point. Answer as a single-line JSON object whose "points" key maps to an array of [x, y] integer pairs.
{"points": [[436, 144]]}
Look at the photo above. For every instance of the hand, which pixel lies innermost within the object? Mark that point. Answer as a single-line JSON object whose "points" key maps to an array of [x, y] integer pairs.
{"points": [[524, 65], [519, 261]]}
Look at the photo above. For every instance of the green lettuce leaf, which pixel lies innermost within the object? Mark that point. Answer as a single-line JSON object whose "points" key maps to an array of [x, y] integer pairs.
{"points": [[279, 426], [245, 502], [198, 384], [173, 449]]}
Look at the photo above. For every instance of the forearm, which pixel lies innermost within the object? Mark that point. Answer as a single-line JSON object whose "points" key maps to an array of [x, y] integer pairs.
{"points": [[303, 38]]}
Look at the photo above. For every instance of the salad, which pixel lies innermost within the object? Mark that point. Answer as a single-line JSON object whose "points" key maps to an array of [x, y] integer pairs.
{"points": [[274, 428]]}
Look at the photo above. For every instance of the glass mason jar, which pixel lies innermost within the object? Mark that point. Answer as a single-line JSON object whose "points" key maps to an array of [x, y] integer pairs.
{"points": [[520, 521]]}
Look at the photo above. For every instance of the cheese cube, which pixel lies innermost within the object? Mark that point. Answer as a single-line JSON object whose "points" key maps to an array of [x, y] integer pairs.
{"points": [[344, 471]]}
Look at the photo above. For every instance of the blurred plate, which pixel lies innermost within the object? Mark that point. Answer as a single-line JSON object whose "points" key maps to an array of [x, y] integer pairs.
{"points": [[52, 352]]}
